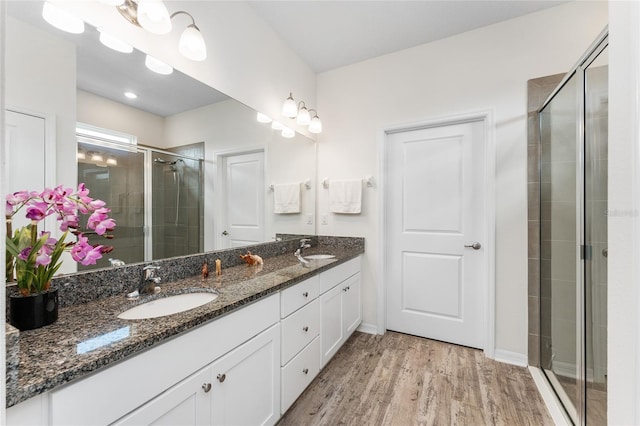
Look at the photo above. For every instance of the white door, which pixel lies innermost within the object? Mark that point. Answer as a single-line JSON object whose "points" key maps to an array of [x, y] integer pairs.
{"points": [[25, 165], [435, 283], [244, 190]]}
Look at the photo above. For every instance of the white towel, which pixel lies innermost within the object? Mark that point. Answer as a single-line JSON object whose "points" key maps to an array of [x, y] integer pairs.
{"points": [[286, 198], [345, 196]]}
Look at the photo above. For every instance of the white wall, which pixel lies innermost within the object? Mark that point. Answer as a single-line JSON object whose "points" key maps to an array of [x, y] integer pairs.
{"points": [[623, 398], [483, 69], [246, 59], [102, 112], [50, 93]]}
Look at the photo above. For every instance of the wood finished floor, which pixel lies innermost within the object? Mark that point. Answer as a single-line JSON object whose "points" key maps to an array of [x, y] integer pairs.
{"points": [[397, 379]]}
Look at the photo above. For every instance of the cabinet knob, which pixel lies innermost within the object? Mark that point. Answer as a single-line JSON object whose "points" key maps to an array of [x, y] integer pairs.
{"points": [[345, 289], [206, 387], [305, 294], [305, 328], [221, 377], [305, 371]]}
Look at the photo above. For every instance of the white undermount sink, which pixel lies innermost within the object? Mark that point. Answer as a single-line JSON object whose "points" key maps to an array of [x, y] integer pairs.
{"points": [[319, 256], [168, 305]]}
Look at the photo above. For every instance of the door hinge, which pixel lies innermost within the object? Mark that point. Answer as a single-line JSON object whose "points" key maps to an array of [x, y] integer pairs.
{"points": [[586, 252]]}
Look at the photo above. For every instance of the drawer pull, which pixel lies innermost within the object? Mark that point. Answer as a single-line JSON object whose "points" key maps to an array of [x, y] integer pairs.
{"points": [[221, 377], [305, 328], [305, 371], [206, 387], [305, 294]]}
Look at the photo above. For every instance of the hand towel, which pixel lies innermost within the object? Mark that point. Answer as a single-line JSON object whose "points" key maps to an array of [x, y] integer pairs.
{"points": [[345, 196], [286, 198]]}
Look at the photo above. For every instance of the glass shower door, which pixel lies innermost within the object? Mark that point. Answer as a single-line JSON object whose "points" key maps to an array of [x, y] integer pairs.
{"points": [[559, 242], [595, 232], [116, 176]]}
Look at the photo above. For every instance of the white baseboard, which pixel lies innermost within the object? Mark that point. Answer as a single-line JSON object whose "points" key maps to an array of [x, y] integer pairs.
{"points": [[509, 357], [368, 328], [556, 411], [568, 369]]}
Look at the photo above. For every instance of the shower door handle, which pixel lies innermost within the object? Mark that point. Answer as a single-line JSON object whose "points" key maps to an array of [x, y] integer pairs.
{"points": [[475, 246], [225, 233]]}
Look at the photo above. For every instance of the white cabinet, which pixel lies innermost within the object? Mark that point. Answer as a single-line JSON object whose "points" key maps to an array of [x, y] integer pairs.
{"points": [[245, 384], [187, 403], [219, 393], [340, 308], [299, 373]]}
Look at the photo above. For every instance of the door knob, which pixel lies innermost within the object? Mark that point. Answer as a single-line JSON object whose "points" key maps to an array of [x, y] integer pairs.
{"points": [[476, 246], [225, 233]]}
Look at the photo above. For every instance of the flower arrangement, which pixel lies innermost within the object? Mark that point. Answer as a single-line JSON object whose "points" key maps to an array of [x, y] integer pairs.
{"points": [[36, 258]]}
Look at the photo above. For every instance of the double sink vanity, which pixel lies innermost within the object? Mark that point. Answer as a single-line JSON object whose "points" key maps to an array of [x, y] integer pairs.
{"points": [[242, 357]]}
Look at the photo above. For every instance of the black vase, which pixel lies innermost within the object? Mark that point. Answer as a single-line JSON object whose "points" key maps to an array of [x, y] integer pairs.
{"points": [[33, 311]]}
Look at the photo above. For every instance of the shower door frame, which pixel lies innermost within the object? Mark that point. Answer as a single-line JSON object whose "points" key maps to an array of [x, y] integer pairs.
{"points": [[578, 416]]}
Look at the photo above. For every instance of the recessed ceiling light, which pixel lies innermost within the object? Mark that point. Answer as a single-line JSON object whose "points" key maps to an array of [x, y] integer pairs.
{"points": [[131, 95]]}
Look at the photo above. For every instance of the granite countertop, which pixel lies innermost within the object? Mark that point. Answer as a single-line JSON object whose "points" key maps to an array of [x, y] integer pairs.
{"points": [[89, 336]]}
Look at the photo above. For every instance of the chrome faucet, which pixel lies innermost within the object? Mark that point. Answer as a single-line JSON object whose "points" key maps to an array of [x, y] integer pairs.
{"points": [[304, 243], [148, 281]]}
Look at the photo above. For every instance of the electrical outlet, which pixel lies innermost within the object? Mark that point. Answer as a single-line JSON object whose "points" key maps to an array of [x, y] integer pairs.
{"points": [[325, 219], [309, 219]]}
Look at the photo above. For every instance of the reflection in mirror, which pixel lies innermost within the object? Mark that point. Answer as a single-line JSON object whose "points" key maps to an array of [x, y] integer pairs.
{"points": [[198, 136]]}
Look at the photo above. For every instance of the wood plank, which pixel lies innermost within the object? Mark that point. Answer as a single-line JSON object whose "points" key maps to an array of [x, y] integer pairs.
{"points": [[397, 379]]}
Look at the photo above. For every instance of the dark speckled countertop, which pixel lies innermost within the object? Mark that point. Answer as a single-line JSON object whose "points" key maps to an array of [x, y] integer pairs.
{"points": [[89, 336]]}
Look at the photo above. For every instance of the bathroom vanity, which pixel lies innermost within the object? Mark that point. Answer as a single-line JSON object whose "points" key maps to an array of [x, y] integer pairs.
{"points": [[243, 358]]}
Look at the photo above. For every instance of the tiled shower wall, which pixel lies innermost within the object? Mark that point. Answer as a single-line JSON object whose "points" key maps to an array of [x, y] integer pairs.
{"points": [[538, 90]]}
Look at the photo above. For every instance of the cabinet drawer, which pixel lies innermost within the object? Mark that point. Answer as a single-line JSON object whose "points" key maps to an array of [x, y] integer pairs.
{"points": [[334, 276], [299, 295], [298, 329], [299, 372]]}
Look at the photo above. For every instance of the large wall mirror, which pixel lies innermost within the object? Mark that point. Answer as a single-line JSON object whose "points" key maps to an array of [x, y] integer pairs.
{"points": [[202, 173]]}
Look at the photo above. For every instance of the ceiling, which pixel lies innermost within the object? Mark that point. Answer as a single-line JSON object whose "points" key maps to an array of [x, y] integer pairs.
{"points": [[326, 34], [329, 34]]}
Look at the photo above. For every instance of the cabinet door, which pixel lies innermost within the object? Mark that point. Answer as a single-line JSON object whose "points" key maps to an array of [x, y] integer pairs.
{"points": [[331, 329], [246, 382], [187, 403], [351, 305]]}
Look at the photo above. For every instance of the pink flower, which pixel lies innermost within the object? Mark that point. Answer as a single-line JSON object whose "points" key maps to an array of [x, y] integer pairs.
{"points": [[100, 222], [92, 256], [37, 210]]}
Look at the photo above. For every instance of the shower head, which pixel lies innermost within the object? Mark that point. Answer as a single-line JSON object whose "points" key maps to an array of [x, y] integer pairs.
{"points": [[171, 163]]}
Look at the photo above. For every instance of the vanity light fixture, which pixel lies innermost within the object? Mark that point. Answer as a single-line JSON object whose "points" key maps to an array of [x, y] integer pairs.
{"points": [[153, 16], [114, 42], [131, 95], [303, 118], [316, 125], [289, 108], [301, 114], [81, 155], [263, 118], [191, 43], [96, 157], [112, 161], [288, 133], [276, 125], [112, 2], [62, 19], [157, 65]]}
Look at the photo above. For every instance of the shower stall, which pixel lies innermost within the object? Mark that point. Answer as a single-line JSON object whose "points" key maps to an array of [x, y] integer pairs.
{"points": [[155, 196], [573, 238]]}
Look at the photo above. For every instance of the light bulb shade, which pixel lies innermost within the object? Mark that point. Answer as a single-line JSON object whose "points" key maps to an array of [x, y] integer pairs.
{"points": [[276, 125], [81, 155], [303, 118], [263, 118], [289, 108], [316, 125], [192, 45], [61, 19], [112, 2], [288, 133], [112, 161], [153, 16], [157, 65], [114, 43], [97, 158]]}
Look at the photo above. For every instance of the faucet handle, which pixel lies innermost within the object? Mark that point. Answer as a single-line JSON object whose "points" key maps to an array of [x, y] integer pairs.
{"points": [[151, 267]]}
